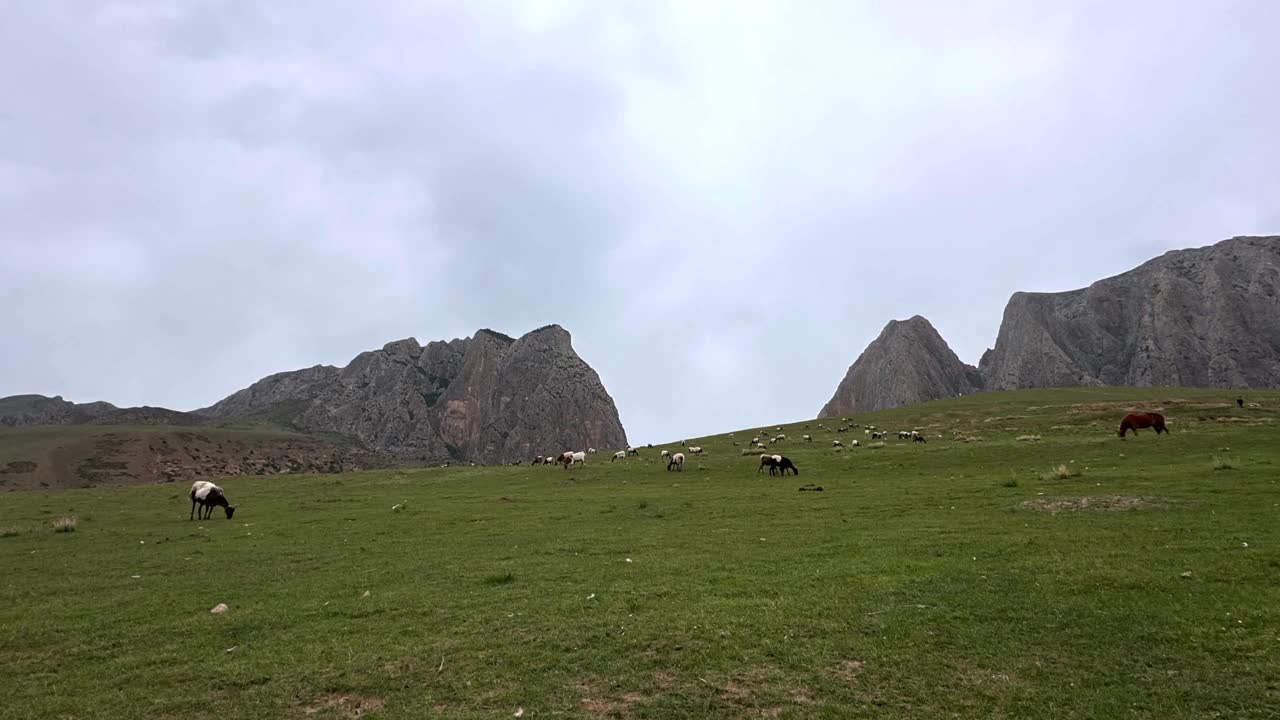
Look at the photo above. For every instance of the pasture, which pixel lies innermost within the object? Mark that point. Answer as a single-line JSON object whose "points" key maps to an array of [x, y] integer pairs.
{"points": [[964, 577]]}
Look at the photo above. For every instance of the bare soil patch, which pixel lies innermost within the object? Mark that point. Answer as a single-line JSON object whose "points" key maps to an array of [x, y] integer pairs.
{"points": [[348, 705], [1097, 503]]}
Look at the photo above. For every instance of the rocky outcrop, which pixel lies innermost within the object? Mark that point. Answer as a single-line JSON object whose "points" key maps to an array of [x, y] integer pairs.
{"points": [[273, 391], [908, 363], [24, 410], [489, 398], [1205, 317]]}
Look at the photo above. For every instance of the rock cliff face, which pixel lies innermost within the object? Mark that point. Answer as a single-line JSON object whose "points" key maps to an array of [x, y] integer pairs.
{"points": [[908, 363], [489, 398], [1206, 317]]}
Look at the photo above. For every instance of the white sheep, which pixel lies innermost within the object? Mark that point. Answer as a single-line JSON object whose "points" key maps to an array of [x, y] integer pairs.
{"points": [[591, 450], [806, 438], [836, 443], [855, 443], [620, 455], [575, 459], [209, 496], [677, 462], [665, 455]]}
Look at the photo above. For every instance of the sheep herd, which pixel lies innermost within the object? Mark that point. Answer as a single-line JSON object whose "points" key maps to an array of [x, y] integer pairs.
{"points": [[206, 496]]}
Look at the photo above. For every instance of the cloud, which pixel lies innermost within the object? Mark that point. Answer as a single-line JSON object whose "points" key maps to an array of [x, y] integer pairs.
{"points": [[723, 202]]}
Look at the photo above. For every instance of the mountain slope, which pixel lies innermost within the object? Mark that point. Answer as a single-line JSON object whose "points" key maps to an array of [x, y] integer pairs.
{"points": [[908, 363]]}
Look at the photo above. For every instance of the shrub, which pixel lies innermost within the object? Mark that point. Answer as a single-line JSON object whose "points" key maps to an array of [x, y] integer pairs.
{"points": [[64, 525], [1221, 462], [1061, 472]]}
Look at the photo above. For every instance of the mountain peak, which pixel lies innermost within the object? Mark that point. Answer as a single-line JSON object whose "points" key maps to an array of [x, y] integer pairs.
{"points": [[908, 363]]}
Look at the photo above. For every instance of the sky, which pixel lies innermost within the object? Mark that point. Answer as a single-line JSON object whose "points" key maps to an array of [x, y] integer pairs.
{"points": [[723, 202]]}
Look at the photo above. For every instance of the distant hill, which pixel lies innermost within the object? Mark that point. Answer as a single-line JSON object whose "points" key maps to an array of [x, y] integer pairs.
{"points": [[1204, 317], [25, 410], [489, 398], [95, 455]]}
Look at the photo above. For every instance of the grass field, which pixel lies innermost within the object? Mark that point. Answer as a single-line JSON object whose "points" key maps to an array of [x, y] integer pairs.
{"points": [[965, 577]]}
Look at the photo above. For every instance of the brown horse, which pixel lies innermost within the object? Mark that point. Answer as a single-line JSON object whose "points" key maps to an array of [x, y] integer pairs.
{"points": [[1142, 420]]}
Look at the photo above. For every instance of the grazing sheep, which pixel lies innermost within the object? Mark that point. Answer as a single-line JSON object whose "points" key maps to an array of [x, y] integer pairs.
{"points": [[209, 496], [836, 443], [755, 440], [620, 455], [766, 461], [695, 450], [677, 462], [855, 443], [903, 435], [565, 457], [784, 464], [573, 458], [806, 438], [633, 451], [782, 436], [665, 455], [876, 435], [591, 450]]}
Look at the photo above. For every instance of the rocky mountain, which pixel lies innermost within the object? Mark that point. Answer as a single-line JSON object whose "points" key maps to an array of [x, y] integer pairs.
{"points": [[1206, 317], [1203, 317], [908, 363], [488, 398], [24, 410]]}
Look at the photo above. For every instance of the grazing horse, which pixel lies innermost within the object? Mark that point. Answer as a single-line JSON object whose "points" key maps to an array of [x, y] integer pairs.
{"points": [[1136, 421]]}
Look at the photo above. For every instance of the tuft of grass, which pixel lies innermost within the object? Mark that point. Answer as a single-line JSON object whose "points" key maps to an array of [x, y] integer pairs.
{"points": [[503, 579], [1061, 472], [1011, 482], [644, 504], [1222, 462], [8, 532], [64, 525], [1028, 438]]}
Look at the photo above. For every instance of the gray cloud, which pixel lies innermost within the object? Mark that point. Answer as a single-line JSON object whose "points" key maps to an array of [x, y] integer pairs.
{"points": [[723, 202]]}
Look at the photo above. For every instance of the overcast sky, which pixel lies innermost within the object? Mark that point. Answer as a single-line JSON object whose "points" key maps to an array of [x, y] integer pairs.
{"points": [[723, 202]]}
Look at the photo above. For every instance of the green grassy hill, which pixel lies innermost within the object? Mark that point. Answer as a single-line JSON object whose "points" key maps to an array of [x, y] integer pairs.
{"points": [[965, 577]]}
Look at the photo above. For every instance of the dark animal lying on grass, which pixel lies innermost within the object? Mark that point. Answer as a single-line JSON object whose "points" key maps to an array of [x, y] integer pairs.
{"points": [[209, 496], [1137, 421]]}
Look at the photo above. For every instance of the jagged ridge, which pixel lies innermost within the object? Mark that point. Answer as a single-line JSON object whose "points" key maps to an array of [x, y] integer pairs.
{"points": [[488, 398]]}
